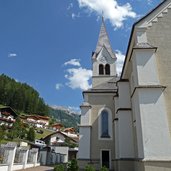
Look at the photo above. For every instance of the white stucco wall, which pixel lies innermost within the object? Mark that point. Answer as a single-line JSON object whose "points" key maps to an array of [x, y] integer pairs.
{"points": [[53, 137], [124, 95], [85, 115], [126, 146], [17, 167], [84, 143], [3, 168], [62, 150], [146, 67], [155, 129], [137, 126], [116, 139]]}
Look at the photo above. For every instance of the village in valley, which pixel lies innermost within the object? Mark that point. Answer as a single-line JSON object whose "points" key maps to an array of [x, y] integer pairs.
{"points": [[36, 132]]}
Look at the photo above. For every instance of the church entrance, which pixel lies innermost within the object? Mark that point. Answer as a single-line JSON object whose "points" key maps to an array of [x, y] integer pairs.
{"points": [[105, 158]]}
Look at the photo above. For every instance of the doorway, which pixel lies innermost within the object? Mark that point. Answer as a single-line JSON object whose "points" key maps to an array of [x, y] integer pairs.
{"points": [[105, 158]]}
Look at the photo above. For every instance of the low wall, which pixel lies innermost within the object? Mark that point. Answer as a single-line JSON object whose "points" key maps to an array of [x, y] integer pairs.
{"points": [[4, 167], [17, 158], [17, 167]]}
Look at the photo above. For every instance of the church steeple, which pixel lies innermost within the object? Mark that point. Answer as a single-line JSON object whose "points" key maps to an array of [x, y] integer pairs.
{"points": [[103, 59], [103, 40]]}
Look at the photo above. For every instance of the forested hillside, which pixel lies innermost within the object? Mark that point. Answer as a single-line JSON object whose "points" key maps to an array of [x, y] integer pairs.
{"points": [[21, 97]]}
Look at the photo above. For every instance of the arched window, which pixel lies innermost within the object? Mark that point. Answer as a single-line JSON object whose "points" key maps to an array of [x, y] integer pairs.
{"points": [[105, 124], [107, 69], [101, 70]]}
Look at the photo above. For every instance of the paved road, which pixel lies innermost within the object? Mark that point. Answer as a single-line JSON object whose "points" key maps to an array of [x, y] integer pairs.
{"points": [[39, 168]]}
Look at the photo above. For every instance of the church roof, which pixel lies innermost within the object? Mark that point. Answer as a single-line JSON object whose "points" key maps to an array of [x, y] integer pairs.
{"points": [[144, 46], [106, 87], [103, 40]]}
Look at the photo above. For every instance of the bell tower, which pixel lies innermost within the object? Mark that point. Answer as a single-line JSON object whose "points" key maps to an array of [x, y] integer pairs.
{"points": [[103, 59]]}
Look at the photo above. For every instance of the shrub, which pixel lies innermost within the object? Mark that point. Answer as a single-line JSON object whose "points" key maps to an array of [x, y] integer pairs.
{"points": [[72, 165], [104, 169], [59, 167], [89, 168]]}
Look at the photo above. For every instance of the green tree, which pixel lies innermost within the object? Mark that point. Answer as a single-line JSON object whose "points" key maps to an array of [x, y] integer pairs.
{"points": [[2, 134], [18, 130], [72, 165], [104, 169], [59, 167], [21, 97], [89, 168], [31, 134]]}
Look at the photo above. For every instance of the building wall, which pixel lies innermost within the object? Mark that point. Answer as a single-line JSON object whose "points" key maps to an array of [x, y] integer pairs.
{"points": [[53, 138], [84, 143], [159, 35], [99, 102]]}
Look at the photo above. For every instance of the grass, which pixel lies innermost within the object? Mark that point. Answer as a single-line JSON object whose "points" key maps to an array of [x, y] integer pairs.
{"points": [[45, 133], [2, 106]]}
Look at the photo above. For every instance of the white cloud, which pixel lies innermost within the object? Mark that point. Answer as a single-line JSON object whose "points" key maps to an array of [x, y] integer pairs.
{"points": [[120, 60], [79, 78], [116, 13], [11, 55], [74, 62], [58, 86], [73, 15], [71, 5]]}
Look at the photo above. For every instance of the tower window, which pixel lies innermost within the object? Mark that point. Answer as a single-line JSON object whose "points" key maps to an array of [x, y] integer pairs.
{"points": [[107, 69], [105, 124], [101, 70]]}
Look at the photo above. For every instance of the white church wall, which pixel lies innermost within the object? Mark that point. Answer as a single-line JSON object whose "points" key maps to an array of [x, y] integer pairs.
{"points": [[116, 103], [137, 123], [126, 147], [155, 130], [85, 115], [97, 80], [116, 138], [134, 74], [146, 67], [84, 143], [141, 36], [124, 95]]}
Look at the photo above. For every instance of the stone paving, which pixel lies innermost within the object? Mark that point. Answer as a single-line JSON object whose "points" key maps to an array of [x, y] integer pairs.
{"points": [[39, 168]]}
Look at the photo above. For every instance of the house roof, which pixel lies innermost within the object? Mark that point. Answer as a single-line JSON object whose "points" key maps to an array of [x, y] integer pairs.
{"points": [[36, 117], [57, 124], [59, 132], [4, 108], [133, 29]]}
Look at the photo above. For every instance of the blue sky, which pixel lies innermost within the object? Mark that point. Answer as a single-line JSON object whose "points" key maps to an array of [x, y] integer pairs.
{"points": [[48, 43]]}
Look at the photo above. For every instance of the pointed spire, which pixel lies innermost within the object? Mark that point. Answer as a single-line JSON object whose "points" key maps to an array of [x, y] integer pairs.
{"points": [[103, 40]]}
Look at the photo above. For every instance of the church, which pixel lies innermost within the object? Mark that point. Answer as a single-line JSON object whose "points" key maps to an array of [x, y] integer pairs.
{"points": [[126, 120]]}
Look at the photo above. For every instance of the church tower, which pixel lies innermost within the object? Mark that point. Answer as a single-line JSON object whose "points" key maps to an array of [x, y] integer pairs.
{"points": [[96, 145], [103, 59]]}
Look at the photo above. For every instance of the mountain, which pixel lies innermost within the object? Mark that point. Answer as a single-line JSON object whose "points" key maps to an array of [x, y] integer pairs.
{"points": [[25, 99], [65, 116]]}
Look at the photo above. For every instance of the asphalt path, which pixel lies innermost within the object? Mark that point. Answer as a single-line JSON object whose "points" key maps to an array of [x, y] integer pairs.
{"points": [[39, 168]]}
